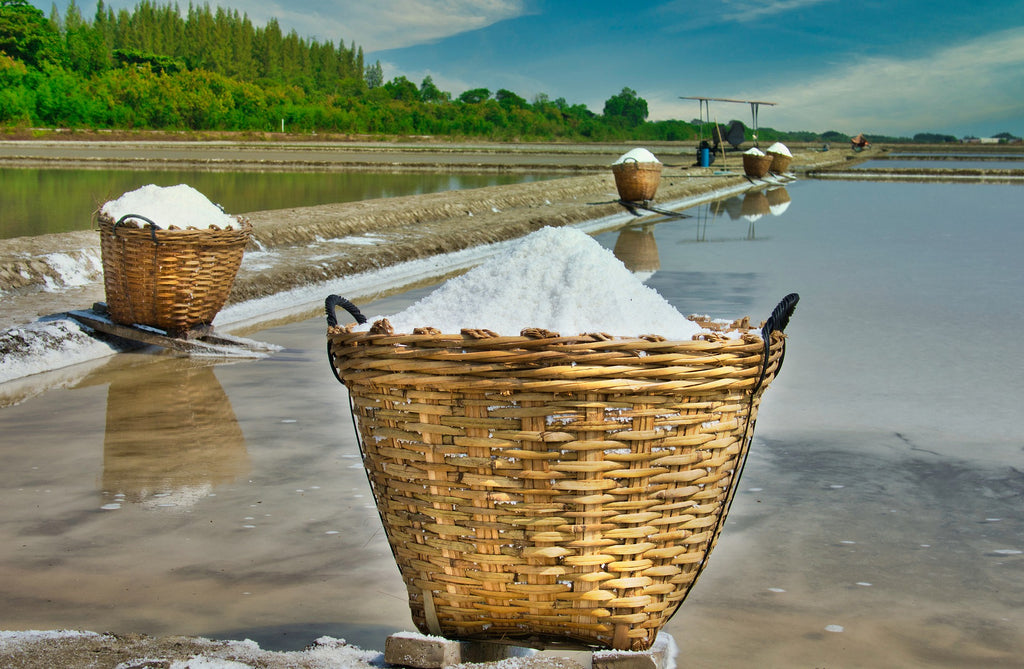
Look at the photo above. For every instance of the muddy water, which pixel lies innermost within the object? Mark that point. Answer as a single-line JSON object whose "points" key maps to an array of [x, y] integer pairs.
{"points": [[879, 520]]}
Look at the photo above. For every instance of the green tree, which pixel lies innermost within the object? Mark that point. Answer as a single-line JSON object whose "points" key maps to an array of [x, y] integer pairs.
{"points": [[429, 92], [26, 34], [374, 75], [509, 100], [475, 96], [626, 107]]}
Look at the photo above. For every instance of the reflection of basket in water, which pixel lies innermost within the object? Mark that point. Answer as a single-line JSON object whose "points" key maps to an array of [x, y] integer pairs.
{"points": [[637, 249], [171, 279], [553, 488], [756, 166], [169, 431], [637, 182]]}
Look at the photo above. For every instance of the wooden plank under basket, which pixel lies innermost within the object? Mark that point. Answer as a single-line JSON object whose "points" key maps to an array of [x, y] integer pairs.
{"points": [[549, 488]]}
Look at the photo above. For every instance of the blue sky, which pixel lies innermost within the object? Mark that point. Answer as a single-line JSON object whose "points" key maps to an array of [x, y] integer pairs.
{"points": [[892, 67]]}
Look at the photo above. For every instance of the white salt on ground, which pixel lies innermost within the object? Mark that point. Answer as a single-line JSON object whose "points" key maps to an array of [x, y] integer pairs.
{"points": [[780, 148], [639, 155], [557, 279], [180, 206]]}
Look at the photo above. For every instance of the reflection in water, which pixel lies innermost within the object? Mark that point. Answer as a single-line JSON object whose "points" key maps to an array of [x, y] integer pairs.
{"points": [[171, 436], [638, 251], [751, 206]]}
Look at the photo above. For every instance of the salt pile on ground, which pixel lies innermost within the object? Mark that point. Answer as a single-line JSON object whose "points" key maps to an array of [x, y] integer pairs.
{"points": [[780, 148], [557, 279], [637, 155], [180, 206]]}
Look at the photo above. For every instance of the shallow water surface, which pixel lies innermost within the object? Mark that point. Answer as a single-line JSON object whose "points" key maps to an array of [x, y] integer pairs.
{"points": [[878, 522], [42, 201]]}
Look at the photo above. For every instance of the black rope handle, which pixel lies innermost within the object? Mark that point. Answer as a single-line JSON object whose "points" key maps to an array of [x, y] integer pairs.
{"points": [[333, 302], [152, 226], [781, 314]]}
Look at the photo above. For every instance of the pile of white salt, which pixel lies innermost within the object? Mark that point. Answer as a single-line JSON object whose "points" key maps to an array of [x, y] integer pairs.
{"points": [[780, 149], [754, 151], [180, 206], [556, 279], [638, 155]]}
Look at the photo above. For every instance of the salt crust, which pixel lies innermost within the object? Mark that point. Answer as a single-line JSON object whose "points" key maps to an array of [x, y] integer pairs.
{"points": [[639, 155], [180, 206], [557, 279]]}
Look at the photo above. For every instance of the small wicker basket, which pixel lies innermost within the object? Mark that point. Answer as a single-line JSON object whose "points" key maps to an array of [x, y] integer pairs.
{"points": [[756, 166], [171, 279], [637, 182], [548, 488]]}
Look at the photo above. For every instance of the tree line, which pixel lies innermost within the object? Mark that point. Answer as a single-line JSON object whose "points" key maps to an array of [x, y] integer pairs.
{"points": [[157, 67]]}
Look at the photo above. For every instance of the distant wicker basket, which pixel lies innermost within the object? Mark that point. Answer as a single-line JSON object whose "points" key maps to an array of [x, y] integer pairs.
{"points": [[637, 182], [780, 163], [756, 166], [171, 279]]}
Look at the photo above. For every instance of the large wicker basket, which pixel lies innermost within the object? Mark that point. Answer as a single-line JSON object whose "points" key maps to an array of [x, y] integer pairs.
{"points": [[171, 279], [543, 488], [637, 182]]}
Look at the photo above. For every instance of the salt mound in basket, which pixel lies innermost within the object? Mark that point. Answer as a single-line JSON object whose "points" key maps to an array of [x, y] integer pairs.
{"points": [[637, 175]]}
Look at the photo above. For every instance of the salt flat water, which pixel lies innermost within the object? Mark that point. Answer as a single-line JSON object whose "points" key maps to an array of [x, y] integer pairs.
{"points": [[878, 522], [41, 201]]}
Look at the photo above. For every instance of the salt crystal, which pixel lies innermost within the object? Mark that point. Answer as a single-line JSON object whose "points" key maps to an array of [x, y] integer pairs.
{"points": [[180, 206], [637, 155], [780, 148], [754, 151], [558, 279]]}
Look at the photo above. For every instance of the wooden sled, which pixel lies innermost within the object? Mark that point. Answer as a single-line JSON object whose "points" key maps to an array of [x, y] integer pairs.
{"points": [[200, 340]]}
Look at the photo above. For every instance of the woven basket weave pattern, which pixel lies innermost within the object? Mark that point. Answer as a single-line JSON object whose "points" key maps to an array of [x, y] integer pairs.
{"points": [[179, 280], [566, 489], [637, 182], [756, 166], [780, 163]]}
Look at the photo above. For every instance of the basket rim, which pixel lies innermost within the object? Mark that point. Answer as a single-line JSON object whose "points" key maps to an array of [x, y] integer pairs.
{"points": [[105, 220]]}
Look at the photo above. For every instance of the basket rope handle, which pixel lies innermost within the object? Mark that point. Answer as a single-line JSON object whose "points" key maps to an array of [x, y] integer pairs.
{"points": [[781, 314], [152, 226], [333, 302]]}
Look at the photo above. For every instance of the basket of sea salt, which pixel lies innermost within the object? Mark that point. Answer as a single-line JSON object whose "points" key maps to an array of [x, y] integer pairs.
{"points": [[541, 487], [637, 175], [781, 158], [170, 257], [756, 163]]}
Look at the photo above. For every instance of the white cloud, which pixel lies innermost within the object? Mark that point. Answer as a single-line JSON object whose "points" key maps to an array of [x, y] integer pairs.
{"points": [[976, 82], [384, 24], [745, 11]]}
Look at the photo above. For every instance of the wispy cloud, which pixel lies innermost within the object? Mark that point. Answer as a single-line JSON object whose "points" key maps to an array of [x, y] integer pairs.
{"points": [[753, 10], [376, 25], [936, 92]]}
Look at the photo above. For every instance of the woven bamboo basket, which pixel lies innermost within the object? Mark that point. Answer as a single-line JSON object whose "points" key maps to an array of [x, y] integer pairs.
{"points": [[548, 488], [780, 163], [171, 279], [756, 166], [637, 182]]}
